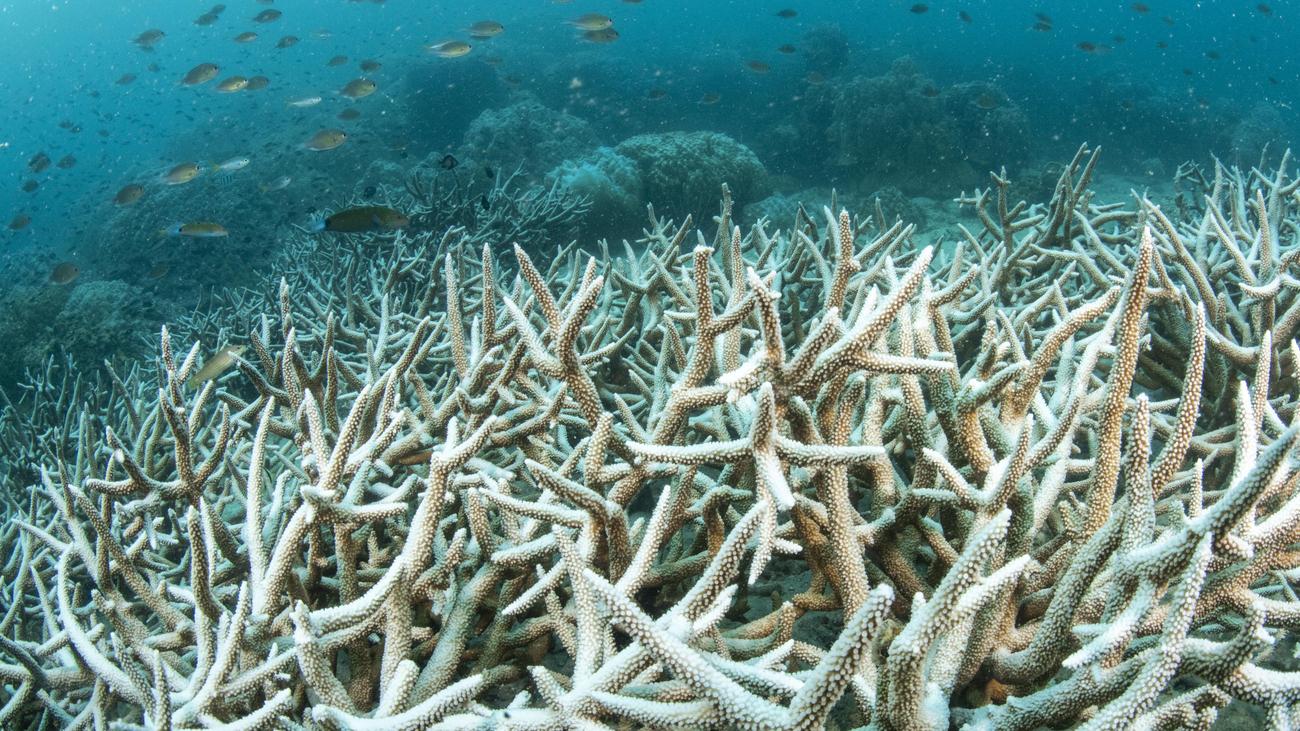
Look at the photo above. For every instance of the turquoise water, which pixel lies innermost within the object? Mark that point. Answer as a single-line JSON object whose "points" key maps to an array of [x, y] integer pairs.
{"points": [[1155, 84]]}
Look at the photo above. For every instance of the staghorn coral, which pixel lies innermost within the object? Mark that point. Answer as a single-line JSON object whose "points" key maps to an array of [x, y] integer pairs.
{"points": [[449, 487]]}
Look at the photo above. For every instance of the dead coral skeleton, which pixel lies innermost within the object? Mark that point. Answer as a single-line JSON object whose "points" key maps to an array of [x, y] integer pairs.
{"points": [[450, 488]]}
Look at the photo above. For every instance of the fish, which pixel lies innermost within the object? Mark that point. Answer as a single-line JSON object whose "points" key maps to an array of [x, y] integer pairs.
{"points": [[1141, 8], [19, 222], [656, 94], [149, 38], [485, 29], [158, 271], [247, 36], [200, 74], [231, 165], [709, 98], [449, 49], [786, 48], [129, 194], [358, 88], [965, 16], [125, 79], [349, 114], [216, 365], [415, 458], [206, 19], [286, 42], [67, 162], [758, 67], [786, 13], [30, 186], [1087, 46], [181, 174], [370, 65], [38, 162], [279, 183], [64, 273], [307, 101], [919, 8], [448, 162], [606, 35], [197, 230], [592, 21], [267, 16], [337, 61], [326, 139], [362, 220], [1264, 9], [232, 84], [257, 83], [986, 101]]}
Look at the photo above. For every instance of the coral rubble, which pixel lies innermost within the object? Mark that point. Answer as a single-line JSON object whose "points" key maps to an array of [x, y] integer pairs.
{"points": [[1047, 475]]}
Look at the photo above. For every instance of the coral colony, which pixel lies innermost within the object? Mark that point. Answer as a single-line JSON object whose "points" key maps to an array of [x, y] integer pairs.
{"points": [[804, 474]]}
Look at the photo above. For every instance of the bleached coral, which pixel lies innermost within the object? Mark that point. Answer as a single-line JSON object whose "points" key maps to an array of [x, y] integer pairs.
{"points": [[452, 486]]}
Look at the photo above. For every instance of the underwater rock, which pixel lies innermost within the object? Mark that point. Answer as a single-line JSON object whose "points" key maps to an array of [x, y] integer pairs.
{"points": [[91, 322], [901, 129], [25, 316], [780, 209], [527, 135], [683, 171], [1259, 131], [825, 49], [894, 129], [103, 319], [611, 182], [992, 130]]}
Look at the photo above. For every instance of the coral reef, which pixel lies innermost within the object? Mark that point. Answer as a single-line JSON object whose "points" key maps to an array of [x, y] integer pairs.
{"points": [[503, 207], [525, 135], [89, 321], [611, 182], [680, 172], [901, 129], [1048, 475]]}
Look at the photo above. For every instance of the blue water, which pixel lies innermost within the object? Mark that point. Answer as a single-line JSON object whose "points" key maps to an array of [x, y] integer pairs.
{"points": [[1212, 62]]}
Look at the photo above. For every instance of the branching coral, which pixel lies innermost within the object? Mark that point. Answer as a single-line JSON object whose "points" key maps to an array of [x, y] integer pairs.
{"points": [[449, 486]]}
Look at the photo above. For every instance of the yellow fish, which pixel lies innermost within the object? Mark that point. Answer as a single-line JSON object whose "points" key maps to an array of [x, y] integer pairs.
{"points": [[485, 29], [216, 365], [200, 74], [197, 230], [449, 49], [358, 88], [181, 174], [232, 84], [362, 219], [128, 194], [326, 139], [592, 21]]}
